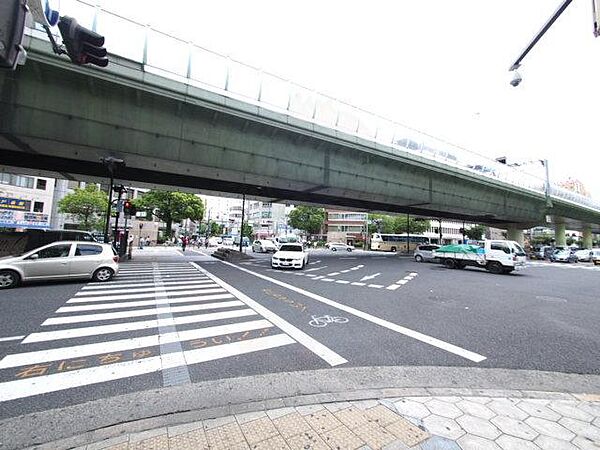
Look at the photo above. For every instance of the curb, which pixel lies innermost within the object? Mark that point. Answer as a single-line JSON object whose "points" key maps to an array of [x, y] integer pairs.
{"points": [[103, 419]]}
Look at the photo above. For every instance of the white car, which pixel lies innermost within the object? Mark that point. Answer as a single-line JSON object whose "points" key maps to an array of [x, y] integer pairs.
{"points": [[60, 260], [584, 255], [290, 256], [264, 246], [335, 246]]}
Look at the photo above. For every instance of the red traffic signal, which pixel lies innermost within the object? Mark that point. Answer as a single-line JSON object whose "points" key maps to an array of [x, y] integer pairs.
{"points": [[83, 46]]}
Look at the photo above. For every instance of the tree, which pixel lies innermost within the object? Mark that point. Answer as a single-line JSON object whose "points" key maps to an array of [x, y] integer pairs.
{"points": [[381, 223], [475, 232], [88, 205], [248, 230], [402, 225], [307, 218], [216, 229], [170, 207]]}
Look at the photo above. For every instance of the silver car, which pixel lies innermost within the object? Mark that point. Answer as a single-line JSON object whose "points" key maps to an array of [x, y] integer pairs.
{"points": [[263, 246], [60, 260], [425, 252]]}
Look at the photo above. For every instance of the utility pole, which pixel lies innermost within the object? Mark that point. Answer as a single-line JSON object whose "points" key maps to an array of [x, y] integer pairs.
{"points": [[109, 162], [242, 225], [407, 233]]}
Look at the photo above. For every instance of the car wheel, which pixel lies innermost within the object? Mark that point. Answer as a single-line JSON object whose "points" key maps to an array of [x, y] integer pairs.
{"points": [[495, 267], [393, 249], [333, 249], [103, 274], [449, 263], [418, 258], [9, 279], [348, 249]]}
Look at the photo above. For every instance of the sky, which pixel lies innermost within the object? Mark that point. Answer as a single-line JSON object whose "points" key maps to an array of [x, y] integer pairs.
{"points": [[438, 66]]}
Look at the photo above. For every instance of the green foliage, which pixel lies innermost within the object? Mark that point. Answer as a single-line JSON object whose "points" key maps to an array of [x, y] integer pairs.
{"points": [[307, 218], [476, 232], [88, 205], [170, 206], [216, 229], [381, 223], [247, 231], [544, 239]]}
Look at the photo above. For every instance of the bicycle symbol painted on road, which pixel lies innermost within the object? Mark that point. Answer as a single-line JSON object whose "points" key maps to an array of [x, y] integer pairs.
{"points": [[323, 321]]}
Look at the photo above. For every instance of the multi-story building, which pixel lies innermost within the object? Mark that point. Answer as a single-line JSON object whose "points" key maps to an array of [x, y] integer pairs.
{"points": [[345, 226], [25, 201], [267, 219], [450, 232]]}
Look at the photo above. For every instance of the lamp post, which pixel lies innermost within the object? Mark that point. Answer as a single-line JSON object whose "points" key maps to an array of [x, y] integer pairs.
{"points": [[109, 162], [242, 225]]}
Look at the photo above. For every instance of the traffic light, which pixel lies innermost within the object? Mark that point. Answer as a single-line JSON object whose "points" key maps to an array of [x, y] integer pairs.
{"points": [[12, 25], [83, 46], [128, 208]]}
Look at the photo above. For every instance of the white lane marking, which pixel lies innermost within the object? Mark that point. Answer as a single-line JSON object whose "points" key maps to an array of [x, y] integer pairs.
{"points": [[137, 273], [316, 268], [327, 279], [319, 277], [370, 277], [402, 281], [316, 262], [342, 281], [345, 271], [413, 274], [393, 287], [376, 286], [199, 290], [144, 279], [195, 280], [332, 274], [356, 283], [77, 351], [200, 284], [11, 338], [131, 326], [138, 303], [137, 313], [12, 390], [451, 348], [311, 344]]}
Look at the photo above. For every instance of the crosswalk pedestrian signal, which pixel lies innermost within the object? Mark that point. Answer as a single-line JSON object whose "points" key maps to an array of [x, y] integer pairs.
{"points": [[83, 46]]}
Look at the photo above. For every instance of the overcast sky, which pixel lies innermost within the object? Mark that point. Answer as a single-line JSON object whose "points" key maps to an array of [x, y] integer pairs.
{"points": [[439, 66]]}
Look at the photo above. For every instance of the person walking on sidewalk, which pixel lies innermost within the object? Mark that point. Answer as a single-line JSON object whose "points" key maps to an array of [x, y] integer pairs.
{"points": [[184, 243]]}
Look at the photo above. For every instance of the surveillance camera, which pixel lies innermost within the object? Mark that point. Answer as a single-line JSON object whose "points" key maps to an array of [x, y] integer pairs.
{"points": [[516, 79]]}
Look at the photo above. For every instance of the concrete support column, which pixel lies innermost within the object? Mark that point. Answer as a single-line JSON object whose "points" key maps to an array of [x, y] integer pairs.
{"points": [[559, 234], [587, 237], [515, 234]]}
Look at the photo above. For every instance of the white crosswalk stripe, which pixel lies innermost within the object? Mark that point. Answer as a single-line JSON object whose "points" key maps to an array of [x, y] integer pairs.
{"points": [[218, 322]]}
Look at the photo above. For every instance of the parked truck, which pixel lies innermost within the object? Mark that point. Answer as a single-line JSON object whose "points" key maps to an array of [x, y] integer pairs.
{"points": [[496, 256]]}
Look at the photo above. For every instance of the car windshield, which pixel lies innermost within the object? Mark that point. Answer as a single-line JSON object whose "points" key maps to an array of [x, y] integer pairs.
{"points": [[290, 248]]}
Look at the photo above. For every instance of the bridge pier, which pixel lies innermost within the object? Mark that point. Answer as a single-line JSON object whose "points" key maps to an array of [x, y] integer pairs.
{"points": [[587, 237], [559, 234], [515, 234]]}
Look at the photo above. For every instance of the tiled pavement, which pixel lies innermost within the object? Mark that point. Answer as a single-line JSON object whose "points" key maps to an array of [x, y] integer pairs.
{"points": [[547, 421]]}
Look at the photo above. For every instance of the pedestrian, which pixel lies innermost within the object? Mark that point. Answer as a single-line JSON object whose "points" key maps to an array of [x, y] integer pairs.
{"points": [[141, 242], [148, 241], [184, 242], [206, 242]]}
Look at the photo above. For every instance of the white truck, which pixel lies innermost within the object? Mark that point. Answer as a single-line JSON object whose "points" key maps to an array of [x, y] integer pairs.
{"points": [[496, 256]]}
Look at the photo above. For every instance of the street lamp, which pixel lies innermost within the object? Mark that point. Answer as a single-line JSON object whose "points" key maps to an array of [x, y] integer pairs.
{"points": [[109, 162]]}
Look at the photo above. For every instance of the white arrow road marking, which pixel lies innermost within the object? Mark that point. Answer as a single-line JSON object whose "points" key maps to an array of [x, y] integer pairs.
{"points": [[370, 277]]}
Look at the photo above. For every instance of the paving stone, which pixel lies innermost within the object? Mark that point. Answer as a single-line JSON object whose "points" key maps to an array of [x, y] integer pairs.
{"points": [[122, 446], [184, 428], [363, 405], [374, 435], [549, 428], [143, 435], [514, 427], [423, 399], [585, 443], [442, 426], [471, 442], [475, 409], [341, 438], [337, 406], [398, 445], [351, 417], [381, 415], [550, 443], [505, 407], [322, 421], [512, 443], [191, 440], [219, 421], [112, 443], [588, 397], [154, 443], [439, 443], [448, 398], [570, 409], [291, 425], [482, 400], [309, 440], [411, 408], [225, 435], [280, 412], [273, 443], [408, 433], [249, 417], [308, 409], [537, 409], [582, 429], [444, 409], [592, 408], [258, 430], [478, 426], [597, 422]]}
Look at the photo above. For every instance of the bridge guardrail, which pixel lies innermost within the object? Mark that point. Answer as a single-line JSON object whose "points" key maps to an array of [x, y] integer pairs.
{"points": [[176, 58]]}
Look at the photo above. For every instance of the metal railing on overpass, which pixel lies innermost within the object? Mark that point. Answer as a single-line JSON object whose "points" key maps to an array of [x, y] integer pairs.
{"points": [[166, 55]]}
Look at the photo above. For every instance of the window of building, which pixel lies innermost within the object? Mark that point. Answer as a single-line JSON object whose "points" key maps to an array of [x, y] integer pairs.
{"points": [[38, 207], [40, 184], [16, 180]]}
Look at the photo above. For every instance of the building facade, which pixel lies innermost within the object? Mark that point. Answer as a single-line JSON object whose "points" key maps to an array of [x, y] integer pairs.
{"points": [[25, 201], [267, 219], [345, 226]]}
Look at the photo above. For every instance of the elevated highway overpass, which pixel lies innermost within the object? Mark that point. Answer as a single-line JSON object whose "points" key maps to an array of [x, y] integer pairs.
{"points": [[60, 119]]}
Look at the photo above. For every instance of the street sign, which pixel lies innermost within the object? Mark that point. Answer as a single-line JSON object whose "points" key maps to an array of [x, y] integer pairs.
{"points": [[45, 12], [140, 214]]}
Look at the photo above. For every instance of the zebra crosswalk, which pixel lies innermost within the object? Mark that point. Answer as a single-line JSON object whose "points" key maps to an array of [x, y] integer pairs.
{"points": [[153, 317]]}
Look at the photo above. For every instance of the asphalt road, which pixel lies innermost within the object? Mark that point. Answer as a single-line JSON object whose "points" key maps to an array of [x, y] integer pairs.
{"points": [[170, 319]]}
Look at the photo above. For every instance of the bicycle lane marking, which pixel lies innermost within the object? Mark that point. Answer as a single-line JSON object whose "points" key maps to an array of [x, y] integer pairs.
{"points": [[325, 353], [451, 348]]}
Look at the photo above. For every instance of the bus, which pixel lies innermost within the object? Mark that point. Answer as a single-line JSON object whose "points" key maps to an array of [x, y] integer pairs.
{"points": [[396, 242]]}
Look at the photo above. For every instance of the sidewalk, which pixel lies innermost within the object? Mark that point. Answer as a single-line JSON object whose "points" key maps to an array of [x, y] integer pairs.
{"points": [[524, 420]]}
